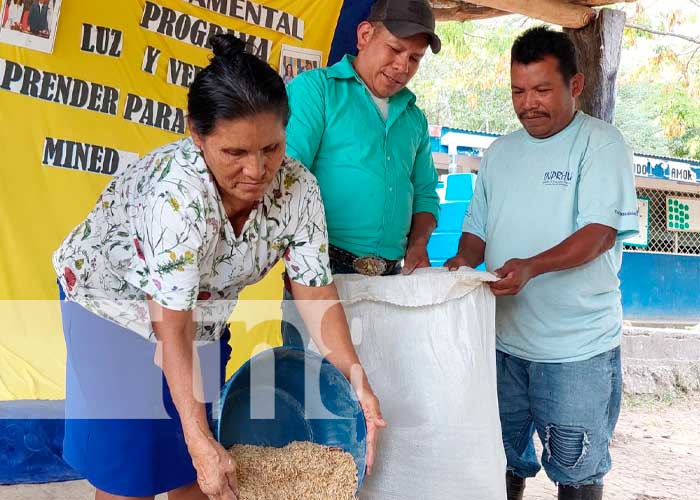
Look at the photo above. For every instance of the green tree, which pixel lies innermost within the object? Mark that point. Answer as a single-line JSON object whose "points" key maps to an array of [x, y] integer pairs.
{"points": [[466, 85], [658, 104], [662, 58]]}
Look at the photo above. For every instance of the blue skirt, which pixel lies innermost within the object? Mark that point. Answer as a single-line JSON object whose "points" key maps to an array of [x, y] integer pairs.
{"points": [[122, 432]]}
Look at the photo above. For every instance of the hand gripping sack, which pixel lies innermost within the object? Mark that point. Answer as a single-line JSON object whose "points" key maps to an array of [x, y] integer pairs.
{"points": [[427, 341]]}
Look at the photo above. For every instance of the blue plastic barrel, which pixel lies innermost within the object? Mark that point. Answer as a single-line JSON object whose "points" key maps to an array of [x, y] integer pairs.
{"points": [[460, 187], [451, 216], [272, 410], [443, 245]]}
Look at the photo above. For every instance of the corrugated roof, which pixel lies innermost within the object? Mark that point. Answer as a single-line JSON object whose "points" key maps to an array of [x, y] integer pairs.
{"points": [[638, 153]]}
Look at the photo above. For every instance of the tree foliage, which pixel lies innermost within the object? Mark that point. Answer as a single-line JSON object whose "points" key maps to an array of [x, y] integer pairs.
{"points": [[667, 59], [466, 85], [658, 103]]}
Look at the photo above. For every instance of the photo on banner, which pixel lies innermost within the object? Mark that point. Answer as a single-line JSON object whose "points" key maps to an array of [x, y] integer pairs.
{"points": [[30, 24], [295, 60]]}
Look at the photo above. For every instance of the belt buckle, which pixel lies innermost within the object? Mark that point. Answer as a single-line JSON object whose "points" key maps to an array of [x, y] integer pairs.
{"points": [[370, 265]]}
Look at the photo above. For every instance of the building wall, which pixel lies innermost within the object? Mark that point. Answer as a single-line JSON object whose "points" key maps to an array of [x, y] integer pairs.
{"points": [[660, 288], [660, 281]]}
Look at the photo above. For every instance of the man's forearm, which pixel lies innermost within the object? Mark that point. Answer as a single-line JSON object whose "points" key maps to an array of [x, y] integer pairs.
{"points": [[580, 248], [422, 227], [472, 249]]}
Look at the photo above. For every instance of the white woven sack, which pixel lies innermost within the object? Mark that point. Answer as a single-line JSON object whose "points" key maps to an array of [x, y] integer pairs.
{"points": [[427, 342]]}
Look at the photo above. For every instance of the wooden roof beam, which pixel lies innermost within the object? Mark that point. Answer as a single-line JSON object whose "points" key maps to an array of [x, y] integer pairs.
{"points": [[459, 11], [567, 13], [552, 11], [599, 3]]}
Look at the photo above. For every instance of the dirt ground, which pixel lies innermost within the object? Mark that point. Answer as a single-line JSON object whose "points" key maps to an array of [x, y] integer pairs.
{"points": [[655, 452], [656, 456]]}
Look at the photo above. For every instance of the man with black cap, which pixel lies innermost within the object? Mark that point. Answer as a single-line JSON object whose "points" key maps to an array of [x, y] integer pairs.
{"points": [[356, 126]]}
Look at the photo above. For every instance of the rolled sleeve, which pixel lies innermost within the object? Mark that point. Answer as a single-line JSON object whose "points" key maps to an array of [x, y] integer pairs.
{"points": [[607, 192], [306, 257], [307, 118], [424, 179], [477, 213]]}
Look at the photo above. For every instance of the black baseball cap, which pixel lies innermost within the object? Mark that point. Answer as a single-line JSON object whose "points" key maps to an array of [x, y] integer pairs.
{"points": [[405, 18]]}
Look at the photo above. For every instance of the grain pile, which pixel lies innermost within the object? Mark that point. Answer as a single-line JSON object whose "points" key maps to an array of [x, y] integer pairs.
{"points": [[299, 471]]}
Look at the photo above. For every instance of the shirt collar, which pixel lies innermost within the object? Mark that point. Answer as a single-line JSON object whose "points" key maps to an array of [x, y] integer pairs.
{"points": [[344, 70]]}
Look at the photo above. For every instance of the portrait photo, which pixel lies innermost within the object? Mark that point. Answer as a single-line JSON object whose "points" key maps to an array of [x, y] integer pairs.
{"points": [[30, 24]]}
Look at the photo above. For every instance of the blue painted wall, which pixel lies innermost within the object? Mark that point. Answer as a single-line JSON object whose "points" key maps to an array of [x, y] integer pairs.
{"points": [[659, 287]]}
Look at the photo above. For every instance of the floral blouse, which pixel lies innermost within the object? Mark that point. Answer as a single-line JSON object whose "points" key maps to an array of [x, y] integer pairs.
{"points": [[160, 229]]}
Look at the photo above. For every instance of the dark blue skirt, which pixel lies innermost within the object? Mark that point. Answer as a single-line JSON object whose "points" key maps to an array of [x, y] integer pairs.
{"points": [[123, 433]]}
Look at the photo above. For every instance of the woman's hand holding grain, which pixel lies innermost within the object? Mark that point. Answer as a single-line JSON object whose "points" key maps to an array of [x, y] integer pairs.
{"points": [[216, 470]]}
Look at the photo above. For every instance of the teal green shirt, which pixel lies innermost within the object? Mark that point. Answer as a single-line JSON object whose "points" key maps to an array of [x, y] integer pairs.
{"points": [[374, 174]]}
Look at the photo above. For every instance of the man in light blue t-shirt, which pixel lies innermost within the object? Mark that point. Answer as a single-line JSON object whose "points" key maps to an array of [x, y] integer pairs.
{"points": [[553, 203]]}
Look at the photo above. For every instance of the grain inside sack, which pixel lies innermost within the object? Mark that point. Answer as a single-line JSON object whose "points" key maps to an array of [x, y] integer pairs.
{"points": [[300, 470]]}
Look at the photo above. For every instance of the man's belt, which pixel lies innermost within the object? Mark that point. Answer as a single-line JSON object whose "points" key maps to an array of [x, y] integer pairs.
{"points": [[344, 262]]}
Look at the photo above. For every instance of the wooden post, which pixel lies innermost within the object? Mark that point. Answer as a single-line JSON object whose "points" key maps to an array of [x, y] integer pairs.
{"points": [[599, 46]]}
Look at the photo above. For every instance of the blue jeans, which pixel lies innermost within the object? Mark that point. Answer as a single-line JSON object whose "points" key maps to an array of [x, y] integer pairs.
{"points": [[572, 406]]}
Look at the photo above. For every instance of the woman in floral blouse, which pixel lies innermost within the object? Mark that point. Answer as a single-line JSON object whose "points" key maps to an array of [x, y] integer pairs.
{"points": [[189, 225]]}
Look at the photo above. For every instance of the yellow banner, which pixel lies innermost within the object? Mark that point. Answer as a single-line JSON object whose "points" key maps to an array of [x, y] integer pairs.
{"points": [[85, 89]]}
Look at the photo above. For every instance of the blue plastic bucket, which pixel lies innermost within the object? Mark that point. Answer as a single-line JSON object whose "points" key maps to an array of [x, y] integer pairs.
{"points": [[271, 410]]}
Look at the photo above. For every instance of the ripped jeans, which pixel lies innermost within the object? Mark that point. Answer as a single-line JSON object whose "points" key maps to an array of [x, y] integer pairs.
{"points": [[572, 406]]}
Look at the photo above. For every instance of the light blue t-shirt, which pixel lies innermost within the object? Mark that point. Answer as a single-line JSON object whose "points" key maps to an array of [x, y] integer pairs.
{"points": [[531, 194]]}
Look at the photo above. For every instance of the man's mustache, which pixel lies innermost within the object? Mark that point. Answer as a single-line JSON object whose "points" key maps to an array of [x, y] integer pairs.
{"points": [[529, 114]]}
